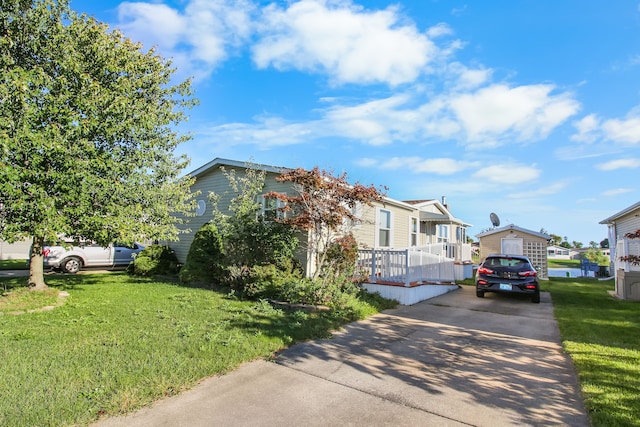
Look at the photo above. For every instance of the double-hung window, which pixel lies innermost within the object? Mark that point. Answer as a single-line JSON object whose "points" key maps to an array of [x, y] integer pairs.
{"points": [[443, 233], [384, 234], [270, 208], [413, 231]]}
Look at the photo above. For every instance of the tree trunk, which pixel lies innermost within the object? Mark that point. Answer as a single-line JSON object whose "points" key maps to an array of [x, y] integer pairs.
{"points": [[36, 267]]}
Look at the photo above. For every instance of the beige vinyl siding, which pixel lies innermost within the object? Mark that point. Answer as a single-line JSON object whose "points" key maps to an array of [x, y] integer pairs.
{"points": [[629, 223], [366, 233], [401, 227]]}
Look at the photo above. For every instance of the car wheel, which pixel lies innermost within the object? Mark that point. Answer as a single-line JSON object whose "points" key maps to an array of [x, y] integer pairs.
{"points": [[71, 265], [479, 293], [536, 298]]}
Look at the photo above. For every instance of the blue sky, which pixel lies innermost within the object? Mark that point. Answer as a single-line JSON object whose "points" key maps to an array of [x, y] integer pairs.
{"points": [[529, 109]]}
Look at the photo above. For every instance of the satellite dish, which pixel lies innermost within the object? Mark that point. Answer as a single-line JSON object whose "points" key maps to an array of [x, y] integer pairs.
{"points": [[494, 220]]}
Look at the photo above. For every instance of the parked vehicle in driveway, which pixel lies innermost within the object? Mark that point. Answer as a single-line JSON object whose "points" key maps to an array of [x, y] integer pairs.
{"points": [[507, 274], [71, 259]]}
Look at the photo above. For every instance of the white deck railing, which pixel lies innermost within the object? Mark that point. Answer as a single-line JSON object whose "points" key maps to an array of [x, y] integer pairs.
{"points": [[458, 252], [404, 266], [624, 247]]}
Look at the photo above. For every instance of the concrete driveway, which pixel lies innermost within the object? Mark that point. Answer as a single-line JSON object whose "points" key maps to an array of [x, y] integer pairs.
{"points": [[454, 360]]}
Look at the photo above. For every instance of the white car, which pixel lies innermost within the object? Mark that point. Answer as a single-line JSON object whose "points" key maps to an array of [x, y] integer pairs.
{"points": [[71, 259]]}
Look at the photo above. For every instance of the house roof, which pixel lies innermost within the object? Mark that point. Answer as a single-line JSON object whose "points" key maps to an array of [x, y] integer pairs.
{"points": [[445, 217], [513, 228], [235, 163], [612, 219]]}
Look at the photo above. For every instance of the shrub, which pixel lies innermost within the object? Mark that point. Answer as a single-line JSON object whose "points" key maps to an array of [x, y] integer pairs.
{"points": [[205, 260], [154, 259], [340, 260], [269, 281]]}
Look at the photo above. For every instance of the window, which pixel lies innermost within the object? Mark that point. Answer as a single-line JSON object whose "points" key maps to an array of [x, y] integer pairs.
{"points": [[356, 211], [443, 233], [413, 231], [384, 228], [270, 207]]}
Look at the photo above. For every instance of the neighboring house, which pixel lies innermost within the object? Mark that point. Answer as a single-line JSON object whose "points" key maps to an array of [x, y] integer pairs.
{"points": [[627, 276], [559, 252], [515, 240], [391, 224], [16, 250]]}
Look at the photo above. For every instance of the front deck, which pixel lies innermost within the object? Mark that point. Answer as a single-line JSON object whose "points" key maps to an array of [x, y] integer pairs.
{"points": [[414, 274]]}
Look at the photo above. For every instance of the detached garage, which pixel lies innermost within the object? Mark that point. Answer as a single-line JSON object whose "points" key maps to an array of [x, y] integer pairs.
{"points": [[514, 240]]}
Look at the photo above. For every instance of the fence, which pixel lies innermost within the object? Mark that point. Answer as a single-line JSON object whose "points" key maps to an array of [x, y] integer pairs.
{"points": [[404, 266], [456, 251]]}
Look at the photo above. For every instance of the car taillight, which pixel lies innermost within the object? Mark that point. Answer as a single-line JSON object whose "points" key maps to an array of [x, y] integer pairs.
{"points": [[530, 273], [530, 286], [485, 270], [46, 251]]}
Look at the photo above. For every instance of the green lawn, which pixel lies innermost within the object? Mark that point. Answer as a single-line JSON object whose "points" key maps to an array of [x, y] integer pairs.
{"points": [[13, 264], [118, 343], [602, 336], [563, 263]]}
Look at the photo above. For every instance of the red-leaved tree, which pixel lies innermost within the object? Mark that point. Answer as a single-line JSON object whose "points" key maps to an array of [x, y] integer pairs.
{"points": [[325, 206]]}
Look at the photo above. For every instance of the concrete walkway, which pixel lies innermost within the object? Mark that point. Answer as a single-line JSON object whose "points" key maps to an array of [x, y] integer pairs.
{"points": [[454, 360]]}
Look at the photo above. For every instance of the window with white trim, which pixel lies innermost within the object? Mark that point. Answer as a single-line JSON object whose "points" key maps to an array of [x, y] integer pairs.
{"points": [[383, 234], [269, 209], [356, 211], [443, 233], [413, 231]]}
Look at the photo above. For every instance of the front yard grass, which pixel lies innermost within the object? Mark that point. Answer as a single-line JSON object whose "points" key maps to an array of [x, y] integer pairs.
{"points": [[118, 343], [602, 336], [13, 264]]}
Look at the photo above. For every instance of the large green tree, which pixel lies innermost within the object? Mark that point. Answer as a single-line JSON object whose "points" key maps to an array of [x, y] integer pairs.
{"points": [[88, 129]]}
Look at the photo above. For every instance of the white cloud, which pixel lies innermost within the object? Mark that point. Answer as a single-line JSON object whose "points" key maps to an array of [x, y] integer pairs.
{"points": [[438, 166], [508, 173], [617, 191], [587, 129], [438, 30], [547, 190], [624, 131], [366, 162], [523, 112], [197, 39], [631, 163], [406, 117], [341, 39]]}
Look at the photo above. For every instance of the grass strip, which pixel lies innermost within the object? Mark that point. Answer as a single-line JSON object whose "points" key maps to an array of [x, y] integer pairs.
{"points": [[602, 336]]}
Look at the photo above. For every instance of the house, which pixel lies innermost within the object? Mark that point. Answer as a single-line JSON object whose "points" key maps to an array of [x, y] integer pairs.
{"points": [[515, 240], [560, 252], [627, 275], [15, 250], [390, 224]]}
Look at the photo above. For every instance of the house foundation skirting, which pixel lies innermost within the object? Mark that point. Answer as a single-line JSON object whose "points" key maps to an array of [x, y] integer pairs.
{"points": [[409, 295], [628, 285]]}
